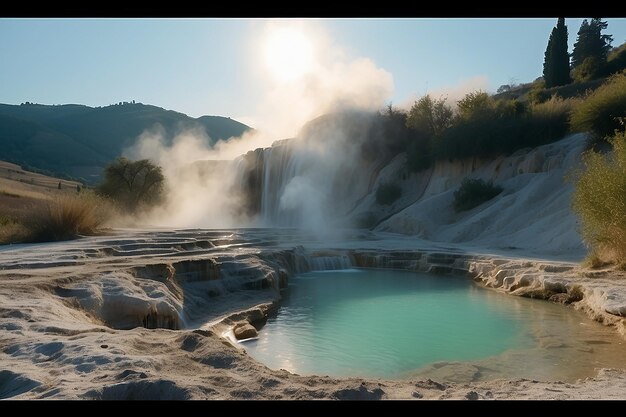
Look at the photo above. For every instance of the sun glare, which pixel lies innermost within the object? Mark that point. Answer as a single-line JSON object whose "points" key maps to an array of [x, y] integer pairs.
{"points": [[288, 53]]}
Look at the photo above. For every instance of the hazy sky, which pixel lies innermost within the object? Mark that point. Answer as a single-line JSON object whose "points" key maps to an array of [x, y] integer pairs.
{"points": [[220, 66]]}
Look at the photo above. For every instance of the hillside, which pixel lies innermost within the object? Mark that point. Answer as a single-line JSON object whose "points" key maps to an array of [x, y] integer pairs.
{"points": [[21, 190], [77, 141], [532, 215]]}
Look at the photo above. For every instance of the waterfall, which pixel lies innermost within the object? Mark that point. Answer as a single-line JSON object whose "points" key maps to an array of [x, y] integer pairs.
{"points": [[311, 181], [327, 263]]}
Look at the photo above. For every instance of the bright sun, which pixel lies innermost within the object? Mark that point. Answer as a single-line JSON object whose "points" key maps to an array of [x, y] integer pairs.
{"points": [[288, 53]]}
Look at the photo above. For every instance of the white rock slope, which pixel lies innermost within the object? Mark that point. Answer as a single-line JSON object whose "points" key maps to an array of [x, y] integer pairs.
{"points": [[532, 213]]}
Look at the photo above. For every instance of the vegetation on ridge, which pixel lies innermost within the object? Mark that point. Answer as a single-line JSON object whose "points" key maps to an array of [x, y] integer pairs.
{"points": [[603, 111]]}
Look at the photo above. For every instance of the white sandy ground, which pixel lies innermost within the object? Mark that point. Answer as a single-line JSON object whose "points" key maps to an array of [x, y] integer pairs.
{"points": [[64, 306]]}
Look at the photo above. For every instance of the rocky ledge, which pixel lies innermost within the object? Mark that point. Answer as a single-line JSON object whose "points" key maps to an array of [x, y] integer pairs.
{"points": [[144, 315]]}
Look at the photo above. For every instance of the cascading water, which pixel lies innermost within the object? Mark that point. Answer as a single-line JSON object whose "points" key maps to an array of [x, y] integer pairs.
{"points": [[330, 263], [311, 181]]}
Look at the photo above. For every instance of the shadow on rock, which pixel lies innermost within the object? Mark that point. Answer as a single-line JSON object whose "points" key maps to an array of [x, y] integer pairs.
{"points": [[140, 390]]}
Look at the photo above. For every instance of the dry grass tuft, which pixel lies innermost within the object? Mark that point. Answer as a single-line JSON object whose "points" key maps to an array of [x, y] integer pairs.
{"points": [[61, 218]]}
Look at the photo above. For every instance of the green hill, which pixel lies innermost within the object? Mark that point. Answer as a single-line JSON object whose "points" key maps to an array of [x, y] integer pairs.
{"points": [[78, 141]]}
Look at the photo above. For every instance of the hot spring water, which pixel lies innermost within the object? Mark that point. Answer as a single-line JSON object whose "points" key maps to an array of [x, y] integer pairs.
{"points": [[383, 323]]}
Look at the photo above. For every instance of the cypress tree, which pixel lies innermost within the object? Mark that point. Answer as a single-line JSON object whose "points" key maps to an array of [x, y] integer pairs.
{"points": [[581, 46], [591, 43], [600, 44], [556, 58]]}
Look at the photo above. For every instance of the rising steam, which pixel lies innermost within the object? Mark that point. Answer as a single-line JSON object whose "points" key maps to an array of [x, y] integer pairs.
{"points": [[204, 194], [308, 182]]}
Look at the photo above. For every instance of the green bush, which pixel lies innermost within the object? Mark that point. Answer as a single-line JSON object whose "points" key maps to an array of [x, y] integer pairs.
{"points": [[431, 116], [573, 90], [474, 104], [386, 194], [616, 61], [474, 192], [505, 128], [600, 112], [599, 199], [419, 155], [537, 92], [589, 69]]}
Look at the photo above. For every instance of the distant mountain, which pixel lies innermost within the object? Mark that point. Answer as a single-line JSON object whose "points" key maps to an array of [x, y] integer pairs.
{"points": [[78, 141]]}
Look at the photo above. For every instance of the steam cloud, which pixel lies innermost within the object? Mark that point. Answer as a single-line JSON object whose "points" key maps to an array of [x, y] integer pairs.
{"points": [[196, 197]]}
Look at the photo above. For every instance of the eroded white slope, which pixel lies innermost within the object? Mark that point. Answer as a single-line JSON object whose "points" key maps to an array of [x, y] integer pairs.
{"points": [[533, 213]]}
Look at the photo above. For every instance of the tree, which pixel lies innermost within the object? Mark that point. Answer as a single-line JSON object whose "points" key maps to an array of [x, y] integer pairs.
{"points": [[556, 59], [503, 88], [591, 42], [132, 184], [431, 116], [394, 129], [475, 104]]}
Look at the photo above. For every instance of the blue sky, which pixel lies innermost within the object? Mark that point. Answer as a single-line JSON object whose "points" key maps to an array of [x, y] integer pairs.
{"points": [[211, 66]]}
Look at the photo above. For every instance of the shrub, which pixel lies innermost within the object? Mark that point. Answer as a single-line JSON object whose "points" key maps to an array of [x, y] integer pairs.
{"points": [[474, 104], [616, 61], [386, 194], [505, 128], [66, 217], [599, 199], [431, 116], [600, 112], [474, 192], [419, 154], [537, 92], [589, 69]]}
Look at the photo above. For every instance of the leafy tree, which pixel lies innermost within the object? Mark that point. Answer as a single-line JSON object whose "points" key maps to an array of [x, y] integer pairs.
{"points": [[431, 116], [591, 42], [132, 184], [394, 129], [503, 88], [474, 104], [556, 58]]}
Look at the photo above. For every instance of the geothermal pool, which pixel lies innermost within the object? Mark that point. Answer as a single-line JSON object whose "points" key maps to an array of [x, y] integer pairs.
{"points": [[399, 324]]}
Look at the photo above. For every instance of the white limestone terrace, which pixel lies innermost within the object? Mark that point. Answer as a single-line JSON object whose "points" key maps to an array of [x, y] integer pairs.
{"points": [[141, 314]]}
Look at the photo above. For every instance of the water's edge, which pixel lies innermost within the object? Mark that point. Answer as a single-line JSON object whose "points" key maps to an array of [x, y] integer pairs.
{"points": [[144, 314], [559, 282]]}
